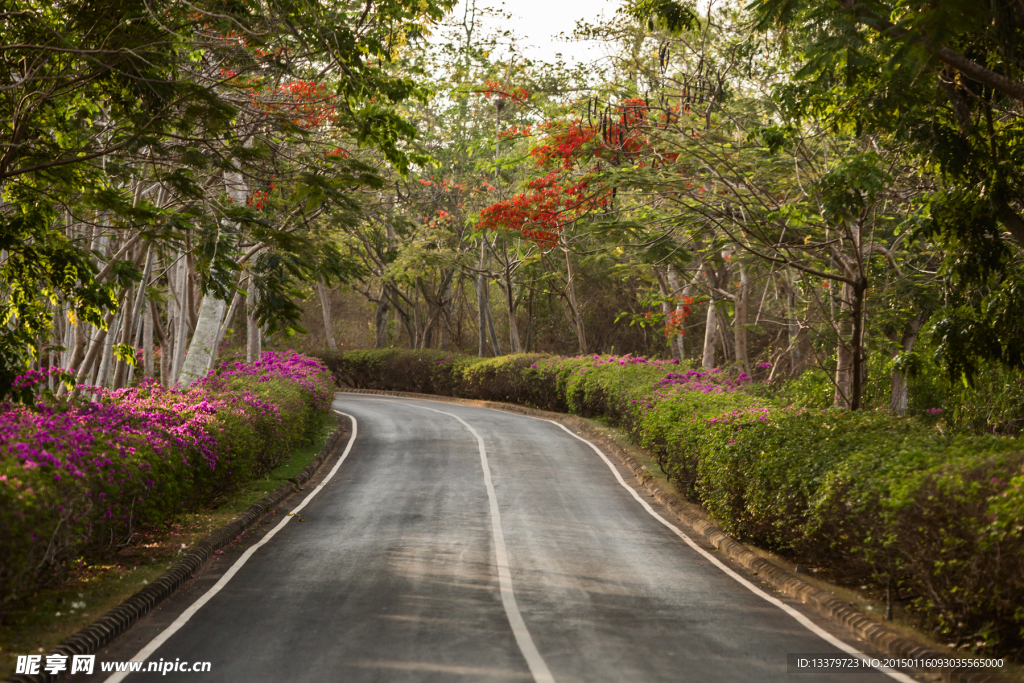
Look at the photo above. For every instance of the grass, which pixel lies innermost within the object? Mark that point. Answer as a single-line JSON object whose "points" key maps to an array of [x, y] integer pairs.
{"points": [[41, 622]]}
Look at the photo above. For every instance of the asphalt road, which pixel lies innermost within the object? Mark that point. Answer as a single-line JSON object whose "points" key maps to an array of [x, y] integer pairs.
{"points": [[456, 543]]}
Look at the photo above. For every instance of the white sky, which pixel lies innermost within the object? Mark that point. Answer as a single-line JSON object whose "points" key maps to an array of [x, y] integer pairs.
{"points": [[538, 22]]}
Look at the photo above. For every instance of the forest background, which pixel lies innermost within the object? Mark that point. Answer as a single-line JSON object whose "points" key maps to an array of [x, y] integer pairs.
{"points": [[808, 192], [824, 196]]}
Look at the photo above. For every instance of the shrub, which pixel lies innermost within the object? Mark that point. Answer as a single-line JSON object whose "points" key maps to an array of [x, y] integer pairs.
{"points": [[77, 477], [872, 497]]}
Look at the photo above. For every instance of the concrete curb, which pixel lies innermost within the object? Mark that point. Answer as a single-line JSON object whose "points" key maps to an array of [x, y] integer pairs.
{"points": [[104, 630], [823, 602]]}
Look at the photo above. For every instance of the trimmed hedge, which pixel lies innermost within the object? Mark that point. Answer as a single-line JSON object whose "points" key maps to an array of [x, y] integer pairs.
{"points": [[870, 497], [78, 477]]}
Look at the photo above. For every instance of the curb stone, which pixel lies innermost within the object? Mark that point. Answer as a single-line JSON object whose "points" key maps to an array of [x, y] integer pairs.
{"points": [[104, 630], [823, 602]]}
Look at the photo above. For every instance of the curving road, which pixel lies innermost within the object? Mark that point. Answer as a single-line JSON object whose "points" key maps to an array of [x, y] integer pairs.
{"points": [[456, 543]]}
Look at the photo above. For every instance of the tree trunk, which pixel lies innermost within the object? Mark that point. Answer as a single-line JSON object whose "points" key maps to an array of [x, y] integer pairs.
{"points": [[76, 354], [678, 348], [95, 349], [236, 301], [253, 334], [515, 346], [710, 335], [792, 324], [180, 320], [127, 327], [166, 341], [844, 354], [203, 347], [570, 287], [900, 387], [192, 299], [325, 305], [739, 321], [147, 342], [857, 345], [495, 346], [850, 351], [381, 319], [529, 322], [138, 317], [108, 350], [447, 302]]}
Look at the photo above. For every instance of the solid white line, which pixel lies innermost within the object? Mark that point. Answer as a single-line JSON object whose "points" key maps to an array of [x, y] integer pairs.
{"points": [[154, 644], [800, 618], [803, 620], [534, 660]]}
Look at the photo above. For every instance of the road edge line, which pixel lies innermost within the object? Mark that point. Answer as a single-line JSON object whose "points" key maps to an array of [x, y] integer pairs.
{"points": [[119, 619], [823, 602], [153, 645]]}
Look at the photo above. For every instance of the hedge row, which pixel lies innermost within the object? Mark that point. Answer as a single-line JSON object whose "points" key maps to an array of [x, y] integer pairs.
{"points": [[78, 477], [871, 498]]}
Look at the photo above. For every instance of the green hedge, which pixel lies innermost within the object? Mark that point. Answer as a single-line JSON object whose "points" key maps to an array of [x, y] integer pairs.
{"points": [[867, 496]]}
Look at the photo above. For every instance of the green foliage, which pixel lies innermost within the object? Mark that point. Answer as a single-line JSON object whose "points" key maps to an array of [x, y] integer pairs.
{"points": [[669, 15], [868, 496]]}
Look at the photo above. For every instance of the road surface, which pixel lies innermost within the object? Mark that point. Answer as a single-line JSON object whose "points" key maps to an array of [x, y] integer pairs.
{"points": [[457, 543]]}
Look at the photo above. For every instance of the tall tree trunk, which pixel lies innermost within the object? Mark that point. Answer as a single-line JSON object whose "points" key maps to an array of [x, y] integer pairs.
{"points": [[739, 320], [96, 344], [515, 346], [127, 327], [229, 317], [325, 306], [253, 334], [570, 286], [900, 387], [77, 352], [678, 348], [844, 354], [203, 347], [492, 332], [147, 342], [529, 322], [850, 351], [666, 305], [138, 317], [447, 303], [792, 323], [710, 336], [481, 302], [166, 341], [381, 318], [103, 370], [481, 307], [192, 298], [180, 319], [857, 345]]}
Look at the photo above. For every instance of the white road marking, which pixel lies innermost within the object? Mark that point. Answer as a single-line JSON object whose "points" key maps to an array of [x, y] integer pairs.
{"points": [[803, 620], [164, 635], [534, 660], [800, 618]]}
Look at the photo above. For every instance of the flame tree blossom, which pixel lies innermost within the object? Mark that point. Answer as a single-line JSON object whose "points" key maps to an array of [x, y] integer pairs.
{"points": [[78, 476]]}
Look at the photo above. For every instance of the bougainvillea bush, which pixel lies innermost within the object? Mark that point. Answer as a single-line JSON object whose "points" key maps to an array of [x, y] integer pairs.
{"points": [[79, 477], [867, 497]]}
